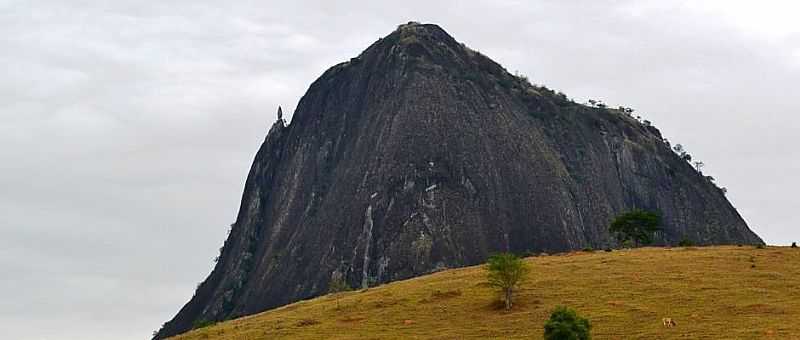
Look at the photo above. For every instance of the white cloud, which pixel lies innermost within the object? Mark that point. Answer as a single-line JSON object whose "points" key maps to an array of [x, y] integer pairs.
{"points": [[772, 18]]}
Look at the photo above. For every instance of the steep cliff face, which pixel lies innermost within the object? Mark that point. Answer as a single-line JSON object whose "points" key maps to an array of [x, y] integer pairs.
{"points": [[421, 154]]}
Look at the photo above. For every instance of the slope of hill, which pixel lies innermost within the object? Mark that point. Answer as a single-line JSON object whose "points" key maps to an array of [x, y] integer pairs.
{"points": [[712, 293]]}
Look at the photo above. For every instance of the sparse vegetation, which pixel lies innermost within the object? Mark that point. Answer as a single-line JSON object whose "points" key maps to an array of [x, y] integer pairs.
{"points": [[202, 323], [698, 166], [409, 39], [626, 110], [565, 324], [505, 82], [682, 153], [625, 294], [338, 285], [506, 271], [636, 227], [685, 242], [563, 97], [522, 78], [597, 104]]}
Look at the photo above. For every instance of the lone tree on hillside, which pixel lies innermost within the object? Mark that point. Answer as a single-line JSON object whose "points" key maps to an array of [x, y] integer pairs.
{"points": [[635, 226], [506, 272], [565, 324], [338, 285]]}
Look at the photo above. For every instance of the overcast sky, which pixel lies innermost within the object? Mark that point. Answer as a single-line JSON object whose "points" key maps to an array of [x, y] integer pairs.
{"points": [[127, 128]]}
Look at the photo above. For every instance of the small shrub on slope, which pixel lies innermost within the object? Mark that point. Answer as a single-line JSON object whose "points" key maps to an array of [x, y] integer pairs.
{"points": [[565, 324]]}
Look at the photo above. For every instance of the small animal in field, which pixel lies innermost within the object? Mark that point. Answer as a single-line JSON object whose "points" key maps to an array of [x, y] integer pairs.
{"points": [[668, 322]]}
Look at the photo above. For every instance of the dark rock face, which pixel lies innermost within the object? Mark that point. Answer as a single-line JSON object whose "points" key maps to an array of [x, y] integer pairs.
{"points": [[421, 154]]}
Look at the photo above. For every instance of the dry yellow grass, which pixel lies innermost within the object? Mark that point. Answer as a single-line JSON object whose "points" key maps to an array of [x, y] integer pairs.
{"points": [[712, 293]]}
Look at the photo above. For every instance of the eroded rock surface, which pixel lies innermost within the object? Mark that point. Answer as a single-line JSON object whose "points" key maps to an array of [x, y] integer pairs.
{"points": [[421, 154]]}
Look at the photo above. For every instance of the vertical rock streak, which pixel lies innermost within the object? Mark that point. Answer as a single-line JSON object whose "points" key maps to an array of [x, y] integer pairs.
{"points": [[367, 241]]}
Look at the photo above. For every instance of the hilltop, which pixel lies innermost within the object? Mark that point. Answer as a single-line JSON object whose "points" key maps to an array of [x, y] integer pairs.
{"points": [[712, 292]]}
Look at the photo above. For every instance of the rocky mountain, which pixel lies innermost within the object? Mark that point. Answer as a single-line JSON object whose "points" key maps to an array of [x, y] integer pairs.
{"points": [[422, 154]]}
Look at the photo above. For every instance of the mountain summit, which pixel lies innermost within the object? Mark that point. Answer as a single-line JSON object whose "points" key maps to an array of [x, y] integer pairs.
{"points": [[422, 154]]}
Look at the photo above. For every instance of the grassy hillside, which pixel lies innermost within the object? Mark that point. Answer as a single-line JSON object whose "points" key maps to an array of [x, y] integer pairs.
{"points": [[712, 293]]}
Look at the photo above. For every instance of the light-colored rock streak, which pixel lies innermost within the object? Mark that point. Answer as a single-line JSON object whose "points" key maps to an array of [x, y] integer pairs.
{"points": [[367, 241]]}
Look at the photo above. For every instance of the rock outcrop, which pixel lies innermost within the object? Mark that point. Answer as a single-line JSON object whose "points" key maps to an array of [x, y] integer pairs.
{"points": [[422, 154]]}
